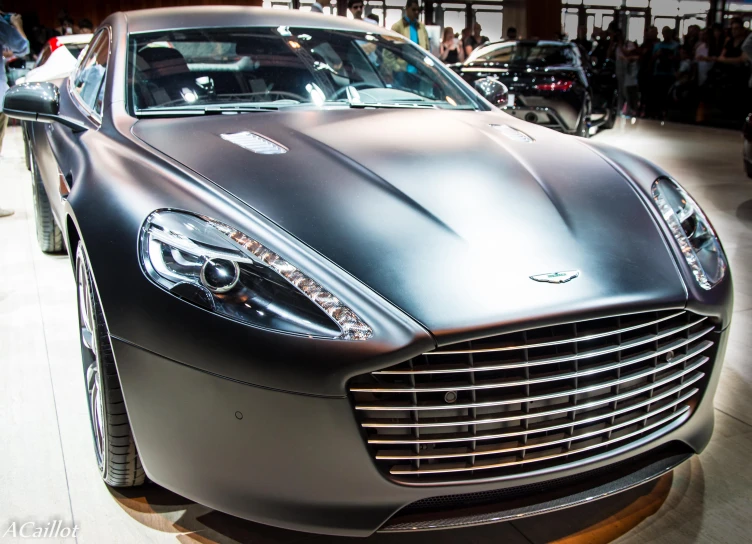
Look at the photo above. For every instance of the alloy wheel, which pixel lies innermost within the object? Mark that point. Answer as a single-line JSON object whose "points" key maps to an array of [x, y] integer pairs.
{"points": [[88, 326]]}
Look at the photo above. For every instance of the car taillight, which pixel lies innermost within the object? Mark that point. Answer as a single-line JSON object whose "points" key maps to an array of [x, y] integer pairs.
{"points": [[54, 43], [555, 86]]}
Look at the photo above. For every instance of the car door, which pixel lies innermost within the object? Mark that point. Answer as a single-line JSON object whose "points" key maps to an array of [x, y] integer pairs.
{"points": [[56, 147]]}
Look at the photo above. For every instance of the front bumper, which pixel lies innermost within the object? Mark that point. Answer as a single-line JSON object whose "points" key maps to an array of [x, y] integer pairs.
{"points": [[300, 462]]}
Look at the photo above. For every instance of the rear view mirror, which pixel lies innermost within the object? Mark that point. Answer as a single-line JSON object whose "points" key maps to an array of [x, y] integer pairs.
{"points": [[37, 102], [492, 90]]}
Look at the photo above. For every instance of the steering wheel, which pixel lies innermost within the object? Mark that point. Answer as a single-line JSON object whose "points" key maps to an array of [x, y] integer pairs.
{"points": [[358, 85]]}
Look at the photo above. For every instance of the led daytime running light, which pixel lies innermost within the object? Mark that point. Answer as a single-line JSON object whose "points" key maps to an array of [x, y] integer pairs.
{"points": [[353, 328], [673, 222]]}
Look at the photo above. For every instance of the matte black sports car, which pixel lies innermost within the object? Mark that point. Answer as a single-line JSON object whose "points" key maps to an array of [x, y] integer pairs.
{"points": [[549, 84], [325, 285]]}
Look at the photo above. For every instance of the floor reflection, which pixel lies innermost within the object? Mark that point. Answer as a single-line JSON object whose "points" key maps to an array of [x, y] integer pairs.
{"points": [[598, 522]]}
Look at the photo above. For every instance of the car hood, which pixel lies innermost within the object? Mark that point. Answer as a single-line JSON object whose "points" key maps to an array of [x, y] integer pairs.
{"points": [[443, 213]]}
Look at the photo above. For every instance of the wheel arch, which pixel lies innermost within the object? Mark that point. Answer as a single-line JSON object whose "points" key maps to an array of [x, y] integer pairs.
{"points": [[72, 237]]}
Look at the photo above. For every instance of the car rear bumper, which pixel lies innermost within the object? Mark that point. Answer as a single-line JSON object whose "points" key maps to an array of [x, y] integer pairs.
{"points": [[301, 462]]}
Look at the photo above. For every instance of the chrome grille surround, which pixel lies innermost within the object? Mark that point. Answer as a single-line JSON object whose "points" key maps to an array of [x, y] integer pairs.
{"points": [[514, 403]]}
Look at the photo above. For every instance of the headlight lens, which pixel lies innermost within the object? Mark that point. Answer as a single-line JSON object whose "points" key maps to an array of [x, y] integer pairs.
{"points": [[227, 272], [692, 231]]}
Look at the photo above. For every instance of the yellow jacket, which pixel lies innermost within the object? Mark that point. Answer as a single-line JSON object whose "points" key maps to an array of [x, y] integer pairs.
{"points": [[401, 27]]}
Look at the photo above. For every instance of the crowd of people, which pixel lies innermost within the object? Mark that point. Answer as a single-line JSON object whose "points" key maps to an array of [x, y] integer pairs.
{"points": [[703, 77]]}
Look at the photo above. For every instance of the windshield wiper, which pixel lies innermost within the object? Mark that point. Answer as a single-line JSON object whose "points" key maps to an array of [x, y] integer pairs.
{"points": [[403, 105], [202, 110]]}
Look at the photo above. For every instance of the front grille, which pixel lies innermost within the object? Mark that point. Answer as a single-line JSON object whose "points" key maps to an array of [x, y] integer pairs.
{"points": [[519, 402]]}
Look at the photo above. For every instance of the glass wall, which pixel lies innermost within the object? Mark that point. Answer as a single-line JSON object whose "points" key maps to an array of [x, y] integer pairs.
{"points": [[491, 19]]}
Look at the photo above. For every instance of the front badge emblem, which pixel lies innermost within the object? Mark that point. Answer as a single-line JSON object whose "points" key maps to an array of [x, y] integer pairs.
{"points": [[557, 277]]}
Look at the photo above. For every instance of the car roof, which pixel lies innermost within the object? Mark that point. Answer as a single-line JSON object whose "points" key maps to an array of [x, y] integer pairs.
{"points": [[74, 38], [525, 42], [148, 20]]}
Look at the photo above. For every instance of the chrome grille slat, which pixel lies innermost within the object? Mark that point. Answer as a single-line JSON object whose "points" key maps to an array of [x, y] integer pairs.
{"points": [[489, 407], [584, 355], [665, 420], [584, 406], [567, 393], [435, 440], [588, 372], [558, 342], [530, 445]]}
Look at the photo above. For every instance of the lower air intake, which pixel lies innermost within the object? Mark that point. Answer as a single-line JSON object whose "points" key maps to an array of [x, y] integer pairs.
{"points": [[519, 402]]}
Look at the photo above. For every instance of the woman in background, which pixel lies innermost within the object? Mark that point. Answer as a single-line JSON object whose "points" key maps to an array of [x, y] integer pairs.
{"points": [[450, 50]]}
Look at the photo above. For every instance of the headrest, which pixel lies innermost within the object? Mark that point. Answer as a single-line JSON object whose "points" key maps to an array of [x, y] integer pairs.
{"points": [[162, 62]]}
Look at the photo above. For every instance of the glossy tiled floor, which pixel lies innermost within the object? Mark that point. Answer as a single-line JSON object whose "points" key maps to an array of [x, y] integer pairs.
{"points": [[48, 468]]}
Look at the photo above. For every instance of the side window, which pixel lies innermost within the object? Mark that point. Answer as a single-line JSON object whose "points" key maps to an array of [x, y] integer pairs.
{"points": [[89, 79]]}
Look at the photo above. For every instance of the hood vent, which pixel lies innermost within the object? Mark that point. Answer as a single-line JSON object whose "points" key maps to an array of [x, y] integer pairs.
{"points": [[255, 142], [513, 134]]}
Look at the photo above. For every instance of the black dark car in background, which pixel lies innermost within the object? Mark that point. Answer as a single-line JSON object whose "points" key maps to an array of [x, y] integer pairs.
{"points": [[549, 82]]}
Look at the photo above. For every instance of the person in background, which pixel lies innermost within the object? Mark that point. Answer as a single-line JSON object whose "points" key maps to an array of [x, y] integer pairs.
{"points": [[66, 24], [645, 74], [691, 38], [665, 63], [13, 39], [511, 34], [716, 40], [702, 57], [732, 49], [85, 27], [356, 9], [735, 64], [372, 18], [582, 42], [411, 27], [475, 40], [319, 5], [450, 50]]}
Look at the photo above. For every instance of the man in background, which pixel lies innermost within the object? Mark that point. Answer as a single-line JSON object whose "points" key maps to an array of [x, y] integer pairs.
{"points": [[511, 34], [411, 27], [13, 39], [85, 27], [475, 39], [356, 8]]}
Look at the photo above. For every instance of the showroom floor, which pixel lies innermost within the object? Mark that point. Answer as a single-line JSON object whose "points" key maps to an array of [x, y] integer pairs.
{"points": [[49, 472]]}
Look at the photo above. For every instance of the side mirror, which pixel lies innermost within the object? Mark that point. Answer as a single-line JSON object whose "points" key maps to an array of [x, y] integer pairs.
{"points": [[493, 90], [37, 102]]}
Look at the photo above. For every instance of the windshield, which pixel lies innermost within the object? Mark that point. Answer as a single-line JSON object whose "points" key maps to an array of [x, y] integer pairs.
{"points": [[285, 67], [534, 53]]}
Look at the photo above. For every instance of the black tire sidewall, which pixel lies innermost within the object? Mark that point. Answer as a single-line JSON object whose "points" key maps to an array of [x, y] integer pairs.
{"points": [[86, 359]]}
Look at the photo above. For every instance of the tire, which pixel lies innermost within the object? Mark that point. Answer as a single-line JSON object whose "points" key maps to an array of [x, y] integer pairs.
{"points": [[613, 112], [114, 447], [583, 126], [49, 235]]}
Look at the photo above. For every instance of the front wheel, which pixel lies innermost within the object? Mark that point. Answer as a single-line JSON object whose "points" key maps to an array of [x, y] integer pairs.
{"points": [[115, 449]]}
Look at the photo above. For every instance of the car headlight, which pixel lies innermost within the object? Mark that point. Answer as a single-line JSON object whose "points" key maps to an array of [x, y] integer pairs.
{"points": [[227, 272], [691, 229]]}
